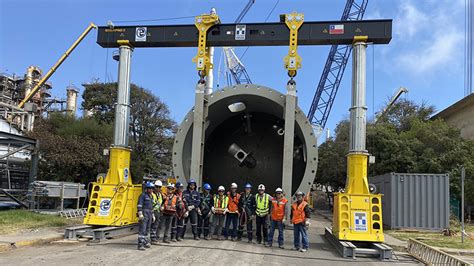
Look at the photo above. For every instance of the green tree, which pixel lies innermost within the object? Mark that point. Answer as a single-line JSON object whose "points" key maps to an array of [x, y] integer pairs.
{"points": [[151, 128], [405, 141], [71, 149]]}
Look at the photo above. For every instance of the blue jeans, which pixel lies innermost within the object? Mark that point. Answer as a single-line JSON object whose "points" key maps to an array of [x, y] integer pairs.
{"points": [[300, 230], [273, 226], [234, 219]]}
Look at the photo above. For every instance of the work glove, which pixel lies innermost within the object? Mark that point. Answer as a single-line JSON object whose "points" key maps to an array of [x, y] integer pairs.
{"points": [[284, 221], [199, 212], [307, 224], [153, 218], [162, 208], [190, 208], [186, 214], [140, 216], [213, 210], [225, 211]]}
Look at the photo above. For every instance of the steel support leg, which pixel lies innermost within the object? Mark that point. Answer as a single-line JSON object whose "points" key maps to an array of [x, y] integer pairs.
{"points": [[288, 141], [198, 134]]}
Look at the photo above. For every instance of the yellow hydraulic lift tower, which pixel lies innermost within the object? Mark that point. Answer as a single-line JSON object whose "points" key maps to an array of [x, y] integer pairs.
{"points": [[113, 199], [357, 212]]}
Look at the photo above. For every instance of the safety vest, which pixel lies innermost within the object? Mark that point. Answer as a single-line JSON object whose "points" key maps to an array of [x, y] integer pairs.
{"points": [[220, 204], [233, 203], [278, 209], [298, 212], [169, 207], [262, 204], [157, 201]]}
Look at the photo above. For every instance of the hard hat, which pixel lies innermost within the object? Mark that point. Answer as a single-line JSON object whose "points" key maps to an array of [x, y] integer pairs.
{"points": [[149, 185], [207, 186], [299, 193], [158, 183], [221, 188], [192, 181], [248, 185], [170, 185], [178, 184], [233, 185], [261, 187], [279, 190]]}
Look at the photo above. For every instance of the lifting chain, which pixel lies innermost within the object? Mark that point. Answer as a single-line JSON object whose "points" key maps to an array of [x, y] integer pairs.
{"points": [[203, 63], [293, 61]]}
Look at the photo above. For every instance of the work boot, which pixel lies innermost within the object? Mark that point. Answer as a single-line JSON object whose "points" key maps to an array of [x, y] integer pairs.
{"points": [[226, 238], [282, 247], [295, 248], [166, 241], [173, 240], [268, 245], [259, 242], [220, 238], [207, 238], [233, 239], [154, 242], [179, 239], [239, 238], [147, 245], [142, 248], [196, 238], [303, 250], [250, 241]]}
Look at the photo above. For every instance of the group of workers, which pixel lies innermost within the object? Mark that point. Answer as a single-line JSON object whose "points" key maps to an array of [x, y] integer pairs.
{"points": [[220, 216]]}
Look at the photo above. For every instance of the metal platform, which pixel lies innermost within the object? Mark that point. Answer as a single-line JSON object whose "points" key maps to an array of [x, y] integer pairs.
{"points": [[99, 233], [352, 250]]}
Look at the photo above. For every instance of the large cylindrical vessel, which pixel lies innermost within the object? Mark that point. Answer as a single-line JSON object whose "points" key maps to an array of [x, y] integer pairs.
{"points": [[244, 132]]}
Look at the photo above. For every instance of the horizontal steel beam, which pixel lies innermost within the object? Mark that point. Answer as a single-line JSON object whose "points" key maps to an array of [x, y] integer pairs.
{"points": [[255, 34]]}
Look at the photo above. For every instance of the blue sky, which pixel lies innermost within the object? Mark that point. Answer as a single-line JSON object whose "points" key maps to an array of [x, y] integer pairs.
{"points": [[425, 55]]}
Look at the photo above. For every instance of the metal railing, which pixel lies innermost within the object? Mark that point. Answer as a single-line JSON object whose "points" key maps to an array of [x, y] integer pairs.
{"points": [[432, 256]]}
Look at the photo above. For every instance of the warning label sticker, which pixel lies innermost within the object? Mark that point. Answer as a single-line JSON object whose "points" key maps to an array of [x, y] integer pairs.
{"points": [[360, 221], [105, 206]]}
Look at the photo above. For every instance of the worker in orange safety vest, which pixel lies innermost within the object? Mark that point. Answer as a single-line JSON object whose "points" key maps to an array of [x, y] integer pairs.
{"points": [[300, 220], [278, 218]]}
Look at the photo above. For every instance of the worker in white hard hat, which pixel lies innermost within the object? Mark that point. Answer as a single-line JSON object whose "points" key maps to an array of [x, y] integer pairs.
{"points": [[157, 201], [219, 211], [300, 220], [263, 202], [233, 213], [168, 211], [278, 217]]}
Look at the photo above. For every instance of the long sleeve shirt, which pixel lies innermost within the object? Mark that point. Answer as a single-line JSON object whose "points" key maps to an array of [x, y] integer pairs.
{"points": [[145, 202], [192, 198]]}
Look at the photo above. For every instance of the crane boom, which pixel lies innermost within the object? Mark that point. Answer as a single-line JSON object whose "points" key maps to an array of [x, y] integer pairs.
{"points": [[58, 63], [395, 97], [334, 70]]}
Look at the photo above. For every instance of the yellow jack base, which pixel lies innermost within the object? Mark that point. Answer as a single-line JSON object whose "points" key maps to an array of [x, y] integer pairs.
{"points": [[358, 217], [114, 199], [113, 205]]}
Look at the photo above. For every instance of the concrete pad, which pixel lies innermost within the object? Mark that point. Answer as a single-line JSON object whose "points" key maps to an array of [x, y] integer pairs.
{"points": [[123, 251]]}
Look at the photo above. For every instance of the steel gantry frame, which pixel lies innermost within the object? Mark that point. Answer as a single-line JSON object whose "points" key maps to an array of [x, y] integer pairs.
{"points": [[334, 70]]}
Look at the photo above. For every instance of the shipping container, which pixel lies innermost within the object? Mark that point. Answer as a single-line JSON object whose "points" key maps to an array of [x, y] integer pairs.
{"points": [[414, 201]]}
